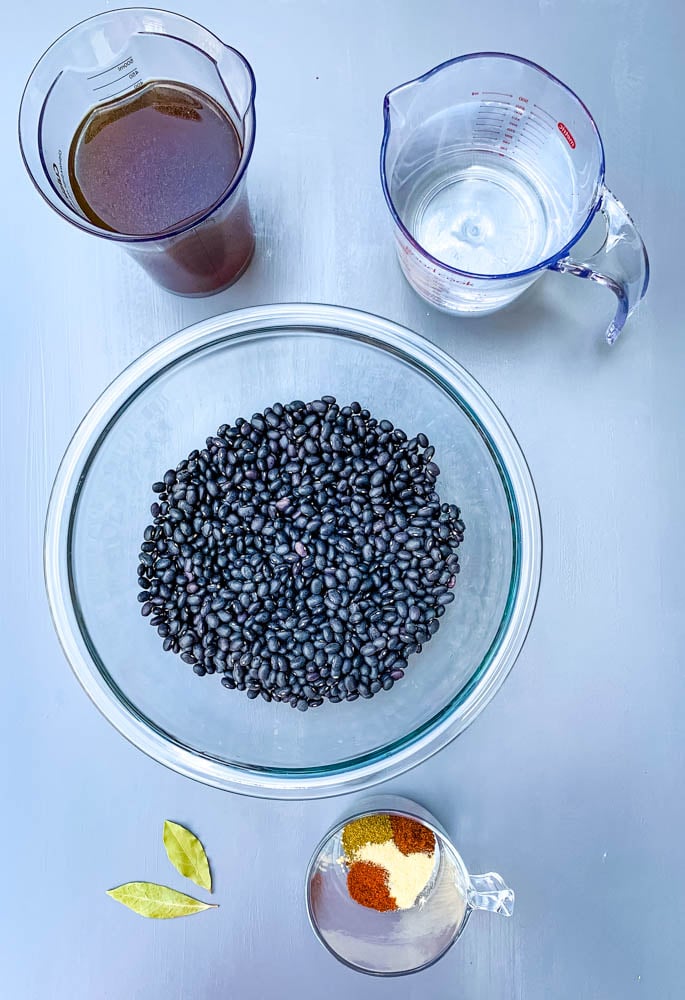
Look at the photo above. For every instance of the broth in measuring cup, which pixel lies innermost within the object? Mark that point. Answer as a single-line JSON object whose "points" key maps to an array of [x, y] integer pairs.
{"points": [[152, 162]]}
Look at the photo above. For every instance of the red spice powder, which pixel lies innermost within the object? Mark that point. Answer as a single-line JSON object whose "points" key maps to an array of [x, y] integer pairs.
{"points": [[411, 837], [367, 884]]}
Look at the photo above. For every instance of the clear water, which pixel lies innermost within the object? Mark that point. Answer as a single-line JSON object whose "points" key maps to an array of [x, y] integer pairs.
{"points": [[483, 213]]}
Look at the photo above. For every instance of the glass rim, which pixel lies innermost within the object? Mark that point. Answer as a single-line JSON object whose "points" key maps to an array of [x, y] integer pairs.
{"points": [[541, 265], [440, 835], [384, 762], [60, 206]]}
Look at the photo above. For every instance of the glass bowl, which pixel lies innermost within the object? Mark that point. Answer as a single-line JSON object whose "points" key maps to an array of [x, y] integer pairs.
{"points": [[162, 407]]}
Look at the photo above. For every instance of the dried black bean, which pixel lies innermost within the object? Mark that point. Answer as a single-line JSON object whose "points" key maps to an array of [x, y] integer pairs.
{"points": [[303, 555]]}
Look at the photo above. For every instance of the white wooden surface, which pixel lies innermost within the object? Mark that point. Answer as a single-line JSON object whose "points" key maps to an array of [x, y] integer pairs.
{"points": [[570, 784]]}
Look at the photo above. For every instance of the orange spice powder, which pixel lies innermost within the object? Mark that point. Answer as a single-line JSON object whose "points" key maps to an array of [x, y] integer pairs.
{"points": [[367, 884], [411, 837]]}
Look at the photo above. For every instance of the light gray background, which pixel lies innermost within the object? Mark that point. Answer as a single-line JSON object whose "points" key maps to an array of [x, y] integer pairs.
{"points": [[570, 784]]}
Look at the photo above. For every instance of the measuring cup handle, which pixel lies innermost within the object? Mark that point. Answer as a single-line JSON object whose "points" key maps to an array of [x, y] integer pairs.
{"points": [[490, 892], [621, 263]]}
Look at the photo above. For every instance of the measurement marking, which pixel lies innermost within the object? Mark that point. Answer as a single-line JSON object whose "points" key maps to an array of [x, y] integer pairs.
{"points": [[112, 82], [543, 131], [545, 112], [537, 131], [527, 142], [492, 114], [498, 93], [116, 93], [542, 122], [102, 72]]}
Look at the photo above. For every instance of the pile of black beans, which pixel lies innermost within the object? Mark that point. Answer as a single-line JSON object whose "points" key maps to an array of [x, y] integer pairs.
{"points": [[303, 554]]}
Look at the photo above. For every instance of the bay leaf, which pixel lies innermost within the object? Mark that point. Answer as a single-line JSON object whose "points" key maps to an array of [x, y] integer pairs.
{"points": [[187, 854], [158, 901]]}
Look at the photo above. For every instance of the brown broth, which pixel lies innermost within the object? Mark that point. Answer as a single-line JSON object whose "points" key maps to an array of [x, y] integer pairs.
{"points": [[152, 162]]}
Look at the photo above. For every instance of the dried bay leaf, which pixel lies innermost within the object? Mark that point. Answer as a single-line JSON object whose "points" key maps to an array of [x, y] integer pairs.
{"points": [[187, 854], [158, 901]]}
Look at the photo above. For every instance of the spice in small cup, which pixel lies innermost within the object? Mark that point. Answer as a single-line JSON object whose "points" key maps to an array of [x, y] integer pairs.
{"points": [[390, 860]]}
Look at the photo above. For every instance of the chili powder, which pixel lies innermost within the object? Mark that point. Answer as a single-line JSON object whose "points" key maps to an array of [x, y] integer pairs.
{"points": [[367, 884], [411, 837]]}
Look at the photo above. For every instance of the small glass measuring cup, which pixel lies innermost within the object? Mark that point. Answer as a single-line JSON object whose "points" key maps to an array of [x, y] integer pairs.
{"points": [[395, 943], [493, 170], [109, 57]]}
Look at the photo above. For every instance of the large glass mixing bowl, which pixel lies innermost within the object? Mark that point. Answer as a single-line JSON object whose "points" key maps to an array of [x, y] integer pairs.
{"points": [[165, 405]]}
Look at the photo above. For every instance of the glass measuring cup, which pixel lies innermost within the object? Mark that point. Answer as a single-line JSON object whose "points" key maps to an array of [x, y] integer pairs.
{"points": [[394, 943], [493, 170], [107, 58]]}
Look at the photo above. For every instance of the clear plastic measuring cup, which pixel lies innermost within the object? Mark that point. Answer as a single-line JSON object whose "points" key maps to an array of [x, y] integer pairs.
{"points": [[108, 58], [492, 170]]}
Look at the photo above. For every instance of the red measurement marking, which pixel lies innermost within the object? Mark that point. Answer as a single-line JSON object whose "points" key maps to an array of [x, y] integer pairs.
{"points": [[566, 134], [534, 125], [523, 100], [544, 112]]}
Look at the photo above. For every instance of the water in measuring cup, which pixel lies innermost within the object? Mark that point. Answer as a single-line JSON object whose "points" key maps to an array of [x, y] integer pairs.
{"points": [[483, 213]]}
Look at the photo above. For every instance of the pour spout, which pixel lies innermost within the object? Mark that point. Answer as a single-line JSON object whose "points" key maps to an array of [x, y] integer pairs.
{"points": [[397, 103], [238, 78]]}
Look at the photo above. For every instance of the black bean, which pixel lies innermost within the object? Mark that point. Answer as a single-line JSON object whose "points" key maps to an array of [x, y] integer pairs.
{"points": [[284, 553]]}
